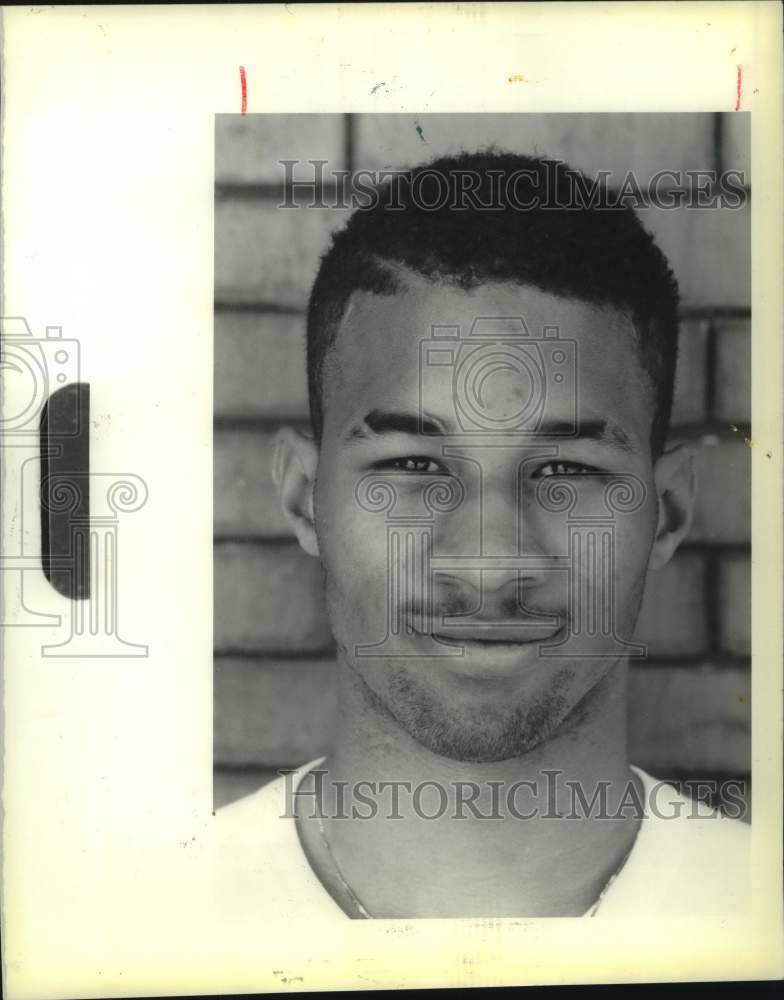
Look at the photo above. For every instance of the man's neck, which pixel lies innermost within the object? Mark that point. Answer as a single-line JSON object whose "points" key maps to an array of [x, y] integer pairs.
{"points": [[447, 838]]}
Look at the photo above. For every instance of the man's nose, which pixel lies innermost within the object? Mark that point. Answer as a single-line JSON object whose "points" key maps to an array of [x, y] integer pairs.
{"points": [[501, 518], [496, 516], [489, 597], [491, 545]]}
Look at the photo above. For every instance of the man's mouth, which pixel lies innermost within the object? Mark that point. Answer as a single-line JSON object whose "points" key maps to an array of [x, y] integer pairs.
{"points": [[494, 635], [489, 642]]}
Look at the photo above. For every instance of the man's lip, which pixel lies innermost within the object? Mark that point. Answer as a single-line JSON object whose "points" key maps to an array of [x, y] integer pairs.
{"points": [[496, 635]]}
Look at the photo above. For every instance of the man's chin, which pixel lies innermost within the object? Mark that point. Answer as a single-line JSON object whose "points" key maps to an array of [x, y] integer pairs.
{"points": [[472, 718], [473, 747], [481, 731]]}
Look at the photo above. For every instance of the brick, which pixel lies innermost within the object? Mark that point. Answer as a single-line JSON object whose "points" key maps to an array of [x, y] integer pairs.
{"points": [[589, 142], [268, 254], [229, 785], [248, 148], [246, 499], [733, 371], [722, 511], [736, 142], [672, 619], [735, 604], [260, 365], [709, 250], [690, 399], [268, 597], [272, 713], [687, 718]]}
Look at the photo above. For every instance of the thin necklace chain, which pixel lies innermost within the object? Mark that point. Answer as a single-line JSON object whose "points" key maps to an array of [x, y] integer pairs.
{"points": [[609, 882], [363, 912], [351, 894]]}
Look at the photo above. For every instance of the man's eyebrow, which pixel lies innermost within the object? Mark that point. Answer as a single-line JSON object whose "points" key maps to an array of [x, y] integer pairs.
{"points": [[378, 422], [603, 431], [394, 422]]}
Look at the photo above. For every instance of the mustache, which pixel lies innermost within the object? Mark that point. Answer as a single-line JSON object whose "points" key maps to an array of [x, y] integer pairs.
{"points": [[507, 610]]}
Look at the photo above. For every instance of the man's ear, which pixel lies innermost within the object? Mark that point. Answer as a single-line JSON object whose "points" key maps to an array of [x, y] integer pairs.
{"points": [[294, 466], [676, 489]]}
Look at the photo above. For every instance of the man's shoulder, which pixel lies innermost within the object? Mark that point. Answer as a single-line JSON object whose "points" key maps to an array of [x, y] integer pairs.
{"points": [[260, 870], [263, 813], [248, 811], [689, 858]]}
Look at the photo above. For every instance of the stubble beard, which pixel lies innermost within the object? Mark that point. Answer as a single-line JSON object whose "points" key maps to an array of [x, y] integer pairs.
{"points": [[475, 734]]}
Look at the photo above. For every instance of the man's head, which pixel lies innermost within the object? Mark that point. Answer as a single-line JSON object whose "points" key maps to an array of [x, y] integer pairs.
{"points": [[601, 256], [437, 538]]}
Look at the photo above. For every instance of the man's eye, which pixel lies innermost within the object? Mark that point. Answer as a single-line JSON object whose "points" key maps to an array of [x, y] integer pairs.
{"points": [[564, 469], [413, 463]]}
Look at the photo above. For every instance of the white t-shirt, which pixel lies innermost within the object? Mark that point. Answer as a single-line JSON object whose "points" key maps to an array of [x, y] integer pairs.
{"points": [[687, 859]]}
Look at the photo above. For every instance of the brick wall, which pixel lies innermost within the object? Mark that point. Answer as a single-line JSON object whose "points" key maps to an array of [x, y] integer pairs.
{"points": [[274, 672]]}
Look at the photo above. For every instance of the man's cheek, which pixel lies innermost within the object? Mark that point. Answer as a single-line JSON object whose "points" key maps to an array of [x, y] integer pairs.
{"points": [[357, 574], [630, 566]]}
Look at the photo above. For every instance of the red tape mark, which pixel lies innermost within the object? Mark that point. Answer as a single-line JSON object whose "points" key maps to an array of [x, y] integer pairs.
{"points": [[739, 89], [244, 88]]}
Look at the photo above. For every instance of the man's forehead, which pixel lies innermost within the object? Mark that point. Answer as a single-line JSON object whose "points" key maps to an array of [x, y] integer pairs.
{"points": [[383, 338], [423, 308]]}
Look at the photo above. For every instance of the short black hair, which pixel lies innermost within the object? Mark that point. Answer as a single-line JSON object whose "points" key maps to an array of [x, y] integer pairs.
{"points": [[561, 241]]}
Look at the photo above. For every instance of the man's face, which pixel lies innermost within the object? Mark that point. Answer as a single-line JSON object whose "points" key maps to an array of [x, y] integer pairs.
{"points": [[490, 535]]}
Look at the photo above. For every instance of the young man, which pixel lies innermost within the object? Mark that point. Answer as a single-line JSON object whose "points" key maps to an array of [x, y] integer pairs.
{"points": [[487, 489]]}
